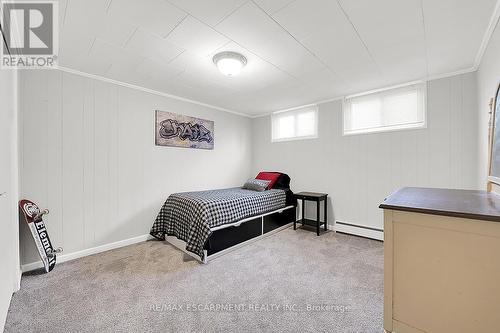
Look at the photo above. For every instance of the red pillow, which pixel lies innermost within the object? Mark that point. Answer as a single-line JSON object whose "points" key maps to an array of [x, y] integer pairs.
{"points": [[271, 176]]}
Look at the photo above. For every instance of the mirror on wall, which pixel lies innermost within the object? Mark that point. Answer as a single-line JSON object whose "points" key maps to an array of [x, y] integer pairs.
{"points": [[494, 175]]}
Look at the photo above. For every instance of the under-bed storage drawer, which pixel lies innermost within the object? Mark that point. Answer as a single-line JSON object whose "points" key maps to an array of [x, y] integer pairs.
{"points": [[224, 238], [277, 220]]}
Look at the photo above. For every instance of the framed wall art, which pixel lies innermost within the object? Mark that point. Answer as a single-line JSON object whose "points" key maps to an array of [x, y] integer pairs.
{"points": [[177, 130]]}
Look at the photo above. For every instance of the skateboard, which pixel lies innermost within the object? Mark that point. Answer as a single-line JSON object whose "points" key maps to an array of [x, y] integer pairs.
{"points": [[34, 218]]}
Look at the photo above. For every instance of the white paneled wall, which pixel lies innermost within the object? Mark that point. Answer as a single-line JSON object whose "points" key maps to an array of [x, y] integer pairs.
{"points": [[88, 155], [359, 171], [9, 236]]}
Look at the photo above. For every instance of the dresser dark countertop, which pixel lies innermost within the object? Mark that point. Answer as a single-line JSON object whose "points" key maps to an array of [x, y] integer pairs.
{"points": [[470, 204]]}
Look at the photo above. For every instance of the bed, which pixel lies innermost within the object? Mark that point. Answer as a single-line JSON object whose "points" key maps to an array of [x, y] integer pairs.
{"points": [[206, 224]]}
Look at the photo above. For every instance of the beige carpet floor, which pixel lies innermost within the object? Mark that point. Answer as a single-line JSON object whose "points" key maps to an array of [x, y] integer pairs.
{"points": [[292, 281]]}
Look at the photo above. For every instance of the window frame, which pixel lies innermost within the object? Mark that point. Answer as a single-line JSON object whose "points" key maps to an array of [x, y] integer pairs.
{"points": [[295, 112], [421, 86]]}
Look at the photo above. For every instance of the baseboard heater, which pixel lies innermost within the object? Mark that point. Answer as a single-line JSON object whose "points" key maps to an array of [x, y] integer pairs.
{"points": [[359, 230]]}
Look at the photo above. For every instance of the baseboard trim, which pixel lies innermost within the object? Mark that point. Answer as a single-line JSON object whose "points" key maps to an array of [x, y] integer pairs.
{"points": [[339, 226], [363, 231], [17, 283], [93, 250]]}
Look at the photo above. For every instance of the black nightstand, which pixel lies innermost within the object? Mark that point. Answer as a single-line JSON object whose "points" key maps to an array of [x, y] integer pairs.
{"points": [[316, 197]]}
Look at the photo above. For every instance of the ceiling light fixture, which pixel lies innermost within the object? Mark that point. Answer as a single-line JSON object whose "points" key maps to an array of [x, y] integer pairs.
{"points": [[229, 63]]}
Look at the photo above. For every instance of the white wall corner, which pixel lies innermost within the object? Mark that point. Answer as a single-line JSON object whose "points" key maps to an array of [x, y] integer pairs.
{"points": [[17, 185], [495, 15]]}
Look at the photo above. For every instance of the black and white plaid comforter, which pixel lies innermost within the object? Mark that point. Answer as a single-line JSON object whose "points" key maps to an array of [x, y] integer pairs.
{"points": [[190, 215]]}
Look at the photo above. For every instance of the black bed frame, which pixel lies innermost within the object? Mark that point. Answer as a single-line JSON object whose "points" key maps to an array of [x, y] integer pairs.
{"points": [[223, 239]]}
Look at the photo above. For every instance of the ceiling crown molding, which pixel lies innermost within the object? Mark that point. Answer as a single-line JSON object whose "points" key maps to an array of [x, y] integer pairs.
{"points": [[150, 91]]}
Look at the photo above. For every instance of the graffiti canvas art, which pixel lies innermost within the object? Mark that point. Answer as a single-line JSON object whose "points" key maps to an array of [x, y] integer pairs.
{"points": [[177, 130]]}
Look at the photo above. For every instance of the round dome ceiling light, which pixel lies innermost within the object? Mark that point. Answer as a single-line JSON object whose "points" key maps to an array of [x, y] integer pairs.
{"points": [[229, 63]]}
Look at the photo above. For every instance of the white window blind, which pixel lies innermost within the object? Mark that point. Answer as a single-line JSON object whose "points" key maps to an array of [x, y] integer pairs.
{"points": [[387, 110], [296, 124]]}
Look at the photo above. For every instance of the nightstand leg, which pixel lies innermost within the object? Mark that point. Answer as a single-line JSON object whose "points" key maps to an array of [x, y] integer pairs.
{"points": [[303, 210], [326, 214], [317, 217]]}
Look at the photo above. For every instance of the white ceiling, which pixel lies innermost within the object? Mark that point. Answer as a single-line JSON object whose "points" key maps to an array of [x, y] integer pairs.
{"points": [[298, 51]]}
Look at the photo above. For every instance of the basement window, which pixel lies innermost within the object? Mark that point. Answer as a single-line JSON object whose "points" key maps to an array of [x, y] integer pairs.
{"points": [[385, 110], [297, 124]]}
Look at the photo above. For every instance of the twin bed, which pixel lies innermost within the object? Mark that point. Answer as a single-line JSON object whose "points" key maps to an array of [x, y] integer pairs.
{"points": [[206, 224]]}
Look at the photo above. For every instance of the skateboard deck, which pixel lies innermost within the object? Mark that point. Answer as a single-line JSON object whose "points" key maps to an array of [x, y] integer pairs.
{"points": [[33, 216]]}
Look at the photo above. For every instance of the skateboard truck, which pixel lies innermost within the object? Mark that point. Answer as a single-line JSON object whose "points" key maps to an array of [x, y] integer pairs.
{"points": [[54, 252], [51, 253], [38, 216]]}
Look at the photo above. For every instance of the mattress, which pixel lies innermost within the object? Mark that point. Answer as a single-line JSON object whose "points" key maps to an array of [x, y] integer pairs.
{"points": [[189, 216]]}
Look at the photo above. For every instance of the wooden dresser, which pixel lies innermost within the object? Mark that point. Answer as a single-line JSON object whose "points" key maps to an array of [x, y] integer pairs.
{"points": [[442, 261]]}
